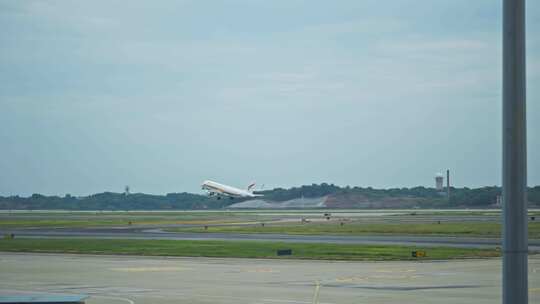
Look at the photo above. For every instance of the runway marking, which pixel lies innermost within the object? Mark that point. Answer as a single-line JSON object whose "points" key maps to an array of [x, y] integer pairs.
{"points": [[316, 294], [165, 294], [149, 269], [263, 299]]}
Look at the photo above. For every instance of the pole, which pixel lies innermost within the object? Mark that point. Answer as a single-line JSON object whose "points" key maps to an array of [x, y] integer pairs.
{"points": [[515, 286], [448, 185]]}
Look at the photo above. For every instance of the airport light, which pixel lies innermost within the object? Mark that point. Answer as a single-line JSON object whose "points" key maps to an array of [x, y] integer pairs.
{"points": [[515, 247]]}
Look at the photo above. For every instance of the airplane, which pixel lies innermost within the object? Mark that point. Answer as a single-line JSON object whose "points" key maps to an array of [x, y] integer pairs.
{"points": [[217, 189]]}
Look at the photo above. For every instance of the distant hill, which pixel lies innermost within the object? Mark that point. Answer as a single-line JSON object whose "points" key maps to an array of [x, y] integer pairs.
{"points": [[307, 196]]}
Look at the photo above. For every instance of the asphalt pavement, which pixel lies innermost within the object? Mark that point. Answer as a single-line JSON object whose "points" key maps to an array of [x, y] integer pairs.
{"points": [[168, 280], [160, 234]]}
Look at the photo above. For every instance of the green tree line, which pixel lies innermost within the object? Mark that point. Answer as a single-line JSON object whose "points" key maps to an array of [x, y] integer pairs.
{"points": [[460, 197]]}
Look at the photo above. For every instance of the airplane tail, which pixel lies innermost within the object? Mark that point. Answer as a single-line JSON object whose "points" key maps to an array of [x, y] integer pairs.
{"points": [[251, 187]]}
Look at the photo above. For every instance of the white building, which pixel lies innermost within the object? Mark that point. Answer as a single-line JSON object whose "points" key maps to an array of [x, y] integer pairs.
{"points": [[439, 181]]}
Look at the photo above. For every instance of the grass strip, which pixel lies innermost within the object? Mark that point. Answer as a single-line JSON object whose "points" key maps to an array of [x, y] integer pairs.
{"points": [[239, 249], [95, 222], [454, 229]]}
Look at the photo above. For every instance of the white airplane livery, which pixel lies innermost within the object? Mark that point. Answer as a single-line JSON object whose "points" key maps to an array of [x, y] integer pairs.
{"points": [[217, 189]]}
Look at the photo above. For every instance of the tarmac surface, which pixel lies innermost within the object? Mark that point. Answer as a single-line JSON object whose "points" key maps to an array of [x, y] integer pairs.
{"points": [[160, 234], [159, 280]]}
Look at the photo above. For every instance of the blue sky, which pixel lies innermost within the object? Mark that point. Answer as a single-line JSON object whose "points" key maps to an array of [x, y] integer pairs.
{"points": [[96, 95]]}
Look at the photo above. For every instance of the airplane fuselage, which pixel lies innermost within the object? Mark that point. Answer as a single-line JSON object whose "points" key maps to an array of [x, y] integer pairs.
{"points": [[217, 189]]}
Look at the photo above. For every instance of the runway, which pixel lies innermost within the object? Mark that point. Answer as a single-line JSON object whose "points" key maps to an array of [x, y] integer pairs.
{"points": [[159, 234], [161, 280]]}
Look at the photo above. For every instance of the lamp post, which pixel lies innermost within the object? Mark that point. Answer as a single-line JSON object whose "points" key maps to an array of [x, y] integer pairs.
{"points": [[515, 247]]}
